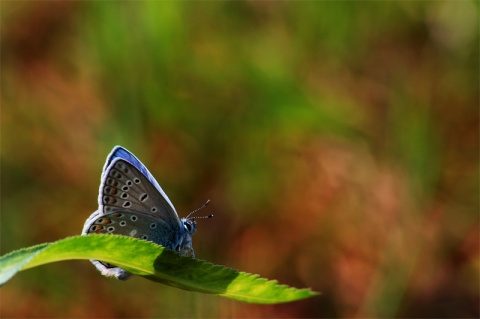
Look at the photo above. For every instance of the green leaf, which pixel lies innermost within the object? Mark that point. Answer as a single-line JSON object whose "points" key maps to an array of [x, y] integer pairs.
{"points": [[155, 263]]}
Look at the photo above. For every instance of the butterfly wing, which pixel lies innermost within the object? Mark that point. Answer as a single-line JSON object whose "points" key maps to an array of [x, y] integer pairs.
{"points": [[137, 225], [125, 188], [122, 153]]}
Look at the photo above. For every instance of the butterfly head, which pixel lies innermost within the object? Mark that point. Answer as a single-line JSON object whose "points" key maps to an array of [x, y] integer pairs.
{"points": [[189, 225]]}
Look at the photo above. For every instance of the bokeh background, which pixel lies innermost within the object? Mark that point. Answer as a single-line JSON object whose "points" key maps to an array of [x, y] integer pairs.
{"points": [[338, 142]]}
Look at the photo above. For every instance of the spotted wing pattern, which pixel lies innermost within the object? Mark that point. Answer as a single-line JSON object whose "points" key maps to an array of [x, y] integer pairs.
{"points": [[125, 188]]}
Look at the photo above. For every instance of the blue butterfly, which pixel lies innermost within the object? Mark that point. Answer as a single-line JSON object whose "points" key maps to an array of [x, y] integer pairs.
{"points": [[131, 203]]}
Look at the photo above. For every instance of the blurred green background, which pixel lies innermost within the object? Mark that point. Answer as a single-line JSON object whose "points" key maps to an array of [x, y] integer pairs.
{"points": [[338, 142]]}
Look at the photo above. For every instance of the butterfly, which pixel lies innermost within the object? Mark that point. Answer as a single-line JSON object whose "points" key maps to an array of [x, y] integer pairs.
{"points": [[132, 203]]}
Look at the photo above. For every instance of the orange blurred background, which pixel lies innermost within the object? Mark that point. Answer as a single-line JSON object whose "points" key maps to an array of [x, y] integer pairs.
{"points": [[338, 142]]}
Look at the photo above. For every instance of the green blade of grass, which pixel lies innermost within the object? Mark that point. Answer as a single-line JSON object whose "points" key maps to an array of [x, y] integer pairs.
{"points": [[155, 263]]}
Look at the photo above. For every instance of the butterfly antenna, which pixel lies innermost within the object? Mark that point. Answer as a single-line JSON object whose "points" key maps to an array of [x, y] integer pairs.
{"points": [[196, 210], [202, 217]]}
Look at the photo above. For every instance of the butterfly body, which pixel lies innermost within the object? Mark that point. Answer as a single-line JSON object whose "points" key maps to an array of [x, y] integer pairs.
{"points": [[131, 203]]}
